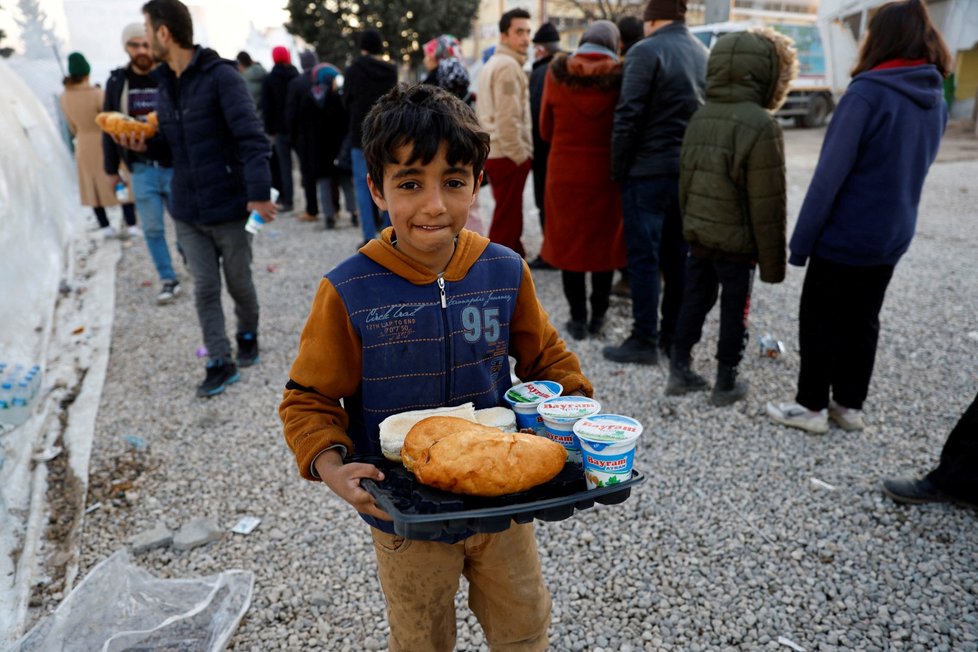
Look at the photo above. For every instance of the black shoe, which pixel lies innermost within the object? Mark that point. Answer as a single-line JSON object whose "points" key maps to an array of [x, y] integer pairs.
{"points": [[330, 222], [636, 349], [665, 346], [540, 263], [220, 374], [247, 349], [577, 328], [682, 379], [355, 219], [728, 389], [914, 492], [285, 208], [596, 325]]}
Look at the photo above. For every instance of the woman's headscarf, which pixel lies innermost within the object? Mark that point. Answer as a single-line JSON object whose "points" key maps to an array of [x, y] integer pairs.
{"points": [[445, 46], [601, 37], [323, 75]]}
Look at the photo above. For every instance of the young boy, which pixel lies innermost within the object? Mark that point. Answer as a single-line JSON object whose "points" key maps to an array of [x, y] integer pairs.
{"points": [[426, 316], [733, 201]]}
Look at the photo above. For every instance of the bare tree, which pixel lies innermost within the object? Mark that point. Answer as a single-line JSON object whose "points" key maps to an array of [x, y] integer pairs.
{"points": [[39, 37], [598, 9]]}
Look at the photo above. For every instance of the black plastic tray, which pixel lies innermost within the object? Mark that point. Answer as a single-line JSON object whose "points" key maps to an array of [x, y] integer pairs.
{"points": [[422, 512]]}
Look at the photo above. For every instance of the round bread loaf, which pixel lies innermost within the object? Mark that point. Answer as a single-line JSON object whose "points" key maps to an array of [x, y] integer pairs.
{"points": [[431, 429], [120, 124], [480, 461]]}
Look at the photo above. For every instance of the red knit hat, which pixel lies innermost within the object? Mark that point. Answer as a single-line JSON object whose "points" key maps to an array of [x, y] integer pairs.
{"points": [[280, 54]]}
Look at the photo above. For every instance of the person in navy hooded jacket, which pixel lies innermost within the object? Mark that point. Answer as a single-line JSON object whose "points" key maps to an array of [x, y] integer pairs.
{"points": [[860, 211]]}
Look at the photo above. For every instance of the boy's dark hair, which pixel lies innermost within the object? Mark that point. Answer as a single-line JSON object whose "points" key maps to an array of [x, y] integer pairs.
{"points": [[903, 30], [175, 15], [506, 19], [245, 59], [423, 116]]}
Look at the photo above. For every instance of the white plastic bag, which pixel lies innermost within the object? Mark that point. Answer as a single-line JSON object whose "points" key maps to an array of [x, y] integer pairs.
{"points": [[119, 606]]}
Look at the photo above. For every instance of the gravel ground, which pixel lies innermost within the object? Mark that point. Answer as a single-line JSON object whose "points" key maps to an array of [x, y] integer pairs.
{"points": [[728, 545]]}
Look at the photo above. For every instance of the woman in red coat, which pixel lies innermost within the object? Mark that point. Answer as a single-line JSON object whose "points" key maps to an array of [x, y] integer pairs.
{"points": [[583, 231]]}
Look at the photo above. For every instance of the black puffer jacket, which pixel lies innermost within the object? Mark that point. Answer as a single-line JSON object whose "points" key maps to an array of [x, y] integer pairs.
{"points": [[732, 185], [364, 82], [274, 95], [664, 83], [220, 153]]}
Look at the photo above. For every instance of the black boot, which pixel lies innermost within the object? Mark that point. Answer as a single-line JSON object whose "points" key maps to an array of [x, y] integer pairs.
{"points": [[682, 378], [727, 389]]}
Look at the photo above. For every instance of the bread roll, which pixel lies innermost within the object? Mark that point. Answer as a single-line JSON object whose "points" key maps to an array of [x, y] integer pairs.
{"points": [[427, 431], [481, 461], [394, 428], [120, 124]]}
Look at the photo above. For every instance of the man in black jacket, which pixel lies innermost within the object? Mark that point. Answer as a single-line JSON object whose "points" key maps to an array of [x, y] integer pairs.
{"points": [[546, 44], [663, 84], [364, 82], [220, 173], [133, 91], [274, 94]]}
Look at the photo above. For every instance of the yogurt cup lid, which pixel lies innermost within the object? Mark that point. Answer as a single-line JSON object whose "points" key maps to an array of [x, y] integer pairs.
{"points": [[568, 407], [533, 392], [611, 428]]}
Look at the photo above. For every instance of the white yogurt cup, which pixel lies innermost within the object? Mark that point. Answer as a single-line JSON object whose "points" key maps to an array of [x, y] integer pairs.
{"points": [[523, 400], [559, 416], [607, 448]]}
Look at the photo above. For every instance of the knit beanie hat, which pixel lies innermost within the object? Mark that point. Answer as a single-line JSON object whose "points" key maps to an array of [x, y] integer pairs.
{"points": [[665, 10], [280, 54], [78, 65], [308, 59], [547, 34], [371, 41], [131, 31]]}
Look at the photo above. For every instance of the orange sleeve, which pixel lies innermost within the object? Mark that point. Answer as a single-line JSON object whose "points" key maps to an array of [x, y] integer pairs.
{"points": [[539, 351], [326, 369]]}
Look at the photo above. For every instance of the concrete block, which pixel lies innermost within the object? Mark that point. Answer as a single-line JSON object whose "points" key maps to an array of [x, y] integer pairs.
{"points": [[196, 532]]}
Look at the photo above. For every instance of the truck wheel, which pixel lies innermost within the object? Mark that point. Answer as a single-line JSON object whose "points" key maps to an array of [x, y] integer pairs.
{"points": [[818, 112]]}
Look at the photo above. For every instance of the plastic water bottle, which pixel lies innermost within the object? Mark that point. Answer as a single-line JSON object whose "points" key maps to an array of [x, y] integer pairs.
{"points": [[6, 395], [255, 221], [121, 192], [18, 403]]}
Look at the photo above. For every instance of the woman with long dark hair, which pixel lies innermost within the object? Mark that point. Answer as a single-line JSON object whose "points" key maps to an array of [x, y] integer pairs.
{"points": [[860, 212]]}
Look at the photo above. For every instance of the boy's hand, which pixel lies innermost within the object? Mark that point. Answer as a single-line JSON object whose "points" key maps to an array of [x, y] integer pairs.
{"points": [[344, 481]]}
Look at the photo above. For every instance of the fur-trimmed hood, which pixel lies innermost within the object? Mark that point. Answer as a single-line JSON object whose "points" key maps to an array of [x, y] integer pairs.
{"points": [[587, 71], [753, 66]]}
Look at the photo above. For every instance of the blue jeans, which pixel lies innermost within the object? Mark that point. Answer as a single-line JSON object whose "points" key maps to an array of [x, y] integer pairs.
{"points": [[364, 201], [654, 243], [283, 150], [151, 190]]}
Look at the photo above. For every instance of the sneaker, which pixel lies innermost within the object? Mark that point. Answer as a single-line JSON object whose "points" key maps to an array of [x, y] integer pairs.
{"points": [[914, 492], [285, 208], [109, 232], [220, 374], [636, 348], [247, 349], [169, 291], [846, 418], [799, 416], [577, 328], [134, 231], [330, 223], [728, 388]]}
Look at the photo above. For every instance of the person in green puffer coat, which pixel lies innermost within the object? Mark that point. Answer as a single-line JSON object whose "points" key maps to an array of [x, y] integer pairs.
{"points": [[733, 201]]}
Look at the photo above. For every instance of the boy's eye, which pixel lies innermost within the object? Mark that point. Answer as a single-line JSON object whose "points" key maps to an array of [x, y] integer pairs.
{"points": [[455, 183], [409, 185]]}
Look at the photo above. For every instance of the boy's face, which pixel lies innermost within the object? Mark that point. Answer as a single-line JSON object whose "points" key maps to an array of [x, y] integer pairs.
{"points": [[428, 205]]}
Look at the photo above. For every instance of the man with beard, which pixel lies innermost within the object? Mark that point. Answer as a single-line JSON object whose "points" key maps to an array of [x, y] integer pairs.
{"points": [[220, 173], [131, 90]]}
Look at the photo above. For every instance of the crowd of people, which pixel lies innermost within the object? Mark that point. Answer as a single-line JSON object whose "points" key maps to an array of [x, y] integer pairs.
{"points": [[659, 158]]}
